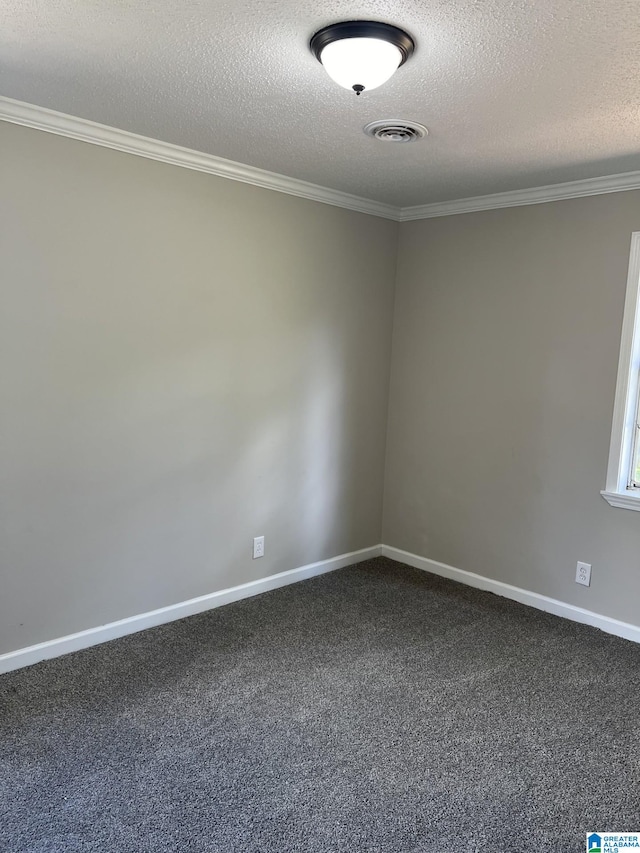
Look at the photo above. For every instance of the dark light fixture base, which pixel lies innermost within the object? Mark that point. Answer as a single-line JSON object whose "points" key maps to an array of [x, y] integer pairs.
{"points": [[363, 29]]}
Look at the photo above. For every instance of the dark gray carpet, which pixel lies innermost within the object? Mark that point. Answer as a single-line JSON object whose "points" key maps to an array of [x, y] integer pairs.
{"points": [[374, 709]]}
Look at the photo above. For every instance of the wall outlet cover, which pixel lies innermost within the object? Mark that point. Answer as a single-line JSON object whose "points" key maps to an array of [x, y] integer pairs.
{"points": [[258, 547], [583, 574]]}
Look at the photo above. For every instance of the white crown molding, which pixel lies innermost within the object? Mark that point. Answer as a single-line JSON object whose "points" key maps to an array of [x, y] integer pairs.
{"points": [[50, 121], [515, 593], [532, 195], [132, 624]]}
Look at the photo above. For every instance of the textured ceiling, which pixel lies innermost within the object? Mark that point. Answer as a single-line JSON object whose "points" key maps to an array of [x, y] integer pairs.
{"points": [[515, 93]]}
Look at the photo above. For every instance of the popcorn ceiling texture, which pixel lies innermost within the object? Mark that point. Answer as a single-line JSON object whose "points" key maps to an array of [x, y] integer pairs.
{"points": [[515, 94]]}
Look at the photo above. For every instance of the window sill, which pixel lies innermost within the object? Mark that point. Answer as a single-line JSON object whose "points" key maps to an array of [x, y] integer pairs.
{"points": [[623, 500]]}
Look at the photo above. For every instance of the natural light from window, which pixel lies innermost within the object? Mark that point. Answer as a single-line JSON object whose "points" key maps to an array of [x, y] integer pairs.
{"points": [[623, 474]]}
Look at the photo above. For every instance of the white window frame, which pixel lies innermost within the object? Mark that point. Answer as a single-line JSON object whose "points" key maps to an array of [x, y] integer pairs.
{"points": [[619, 492]]}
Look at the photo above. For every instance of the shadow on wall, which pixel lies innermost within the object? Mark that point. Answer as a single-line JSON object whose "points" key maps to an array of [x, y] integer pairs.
{"points": [[167, 464]]}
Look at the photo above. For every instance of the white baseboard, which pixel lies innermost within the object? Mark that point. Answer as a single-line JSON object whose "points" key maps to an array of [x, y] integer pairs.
{"points": [[133, 624], [94, 636], [532, 599]]}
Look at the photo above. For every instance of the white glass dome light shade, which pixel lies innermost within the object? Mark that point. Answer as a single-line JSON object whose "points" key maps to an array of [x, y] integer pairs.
{"points": [[366, 62], [361, 55]]}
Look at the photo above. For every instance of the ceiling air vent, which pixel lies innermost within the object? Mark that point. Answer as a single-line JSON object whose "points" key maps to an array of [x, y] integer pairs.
{"points": [[396, 130]]}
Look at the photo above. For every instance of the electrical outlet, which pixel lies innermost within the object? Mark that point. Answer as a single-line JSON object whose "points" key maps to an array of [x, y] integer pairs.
{"points": [[258, 547], [583, 574]]}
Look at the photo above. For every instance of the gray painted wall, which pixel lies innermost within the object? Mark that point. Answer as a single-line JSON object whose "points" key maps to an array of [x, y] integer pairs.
{"points": [[187, 362], [505, 351]]}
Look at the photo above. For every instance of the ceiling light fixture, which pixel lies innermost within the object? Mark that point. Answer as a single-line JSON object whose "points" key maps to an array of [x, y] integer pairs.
{"points": [[361, 55]]}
